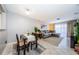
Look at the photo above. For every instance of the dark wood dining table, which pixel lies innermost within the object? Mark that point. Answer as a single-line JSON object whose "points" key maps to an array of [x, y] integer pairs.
{"points": [[30, 38]]}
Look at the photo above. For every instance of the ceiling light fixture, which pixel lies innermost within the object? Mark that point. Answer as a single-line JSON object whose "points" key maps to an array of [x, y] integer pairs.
{"points": [[27, 11]]}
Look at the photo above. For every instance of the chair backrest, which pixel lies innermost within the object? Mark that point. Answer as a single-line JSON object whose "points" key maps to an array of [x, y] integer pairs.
{"points": [[17, 39]]}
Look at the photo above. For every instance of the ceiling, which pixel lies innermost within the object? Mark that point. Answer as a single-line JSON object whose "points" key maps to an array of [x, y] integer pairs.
{"points": [[44, 12]]}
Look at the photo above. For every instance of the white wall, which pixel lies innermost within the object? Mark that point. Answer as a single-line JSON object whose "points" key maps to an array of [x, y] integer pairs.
{"points": [[19, 24], [3, 36], [0, 20], [3, 33], [61, 28]]}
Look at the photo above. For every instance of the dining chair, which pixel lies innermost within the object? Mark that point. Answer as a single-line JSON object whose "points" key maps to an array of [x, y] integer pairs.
{"points": [[22, 45], [34, 43]]}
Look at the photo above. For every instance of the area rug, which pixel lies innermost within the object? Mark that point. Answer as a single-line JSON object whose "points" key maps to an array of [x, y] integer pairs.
{"points": [[53, 40], [11, 50], [2, 47]]}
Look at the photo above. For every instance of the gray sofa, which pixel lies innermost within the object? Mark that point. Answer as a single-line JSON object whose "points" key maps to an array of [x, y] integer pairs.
{"points": [[47, 34]]}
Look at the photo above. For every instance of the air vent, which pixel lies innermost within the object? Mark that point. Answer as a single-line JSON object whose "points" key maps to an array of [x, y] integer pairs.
{"points": [[76, 13], [77, 4], [58, 18]]}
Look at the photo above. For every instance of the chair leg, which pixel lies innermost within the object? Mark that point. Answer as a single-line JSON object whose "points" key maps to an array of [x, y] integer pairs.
{"points": [[31, 45], [18, 51], [36, 45], [28, 47], [24, 51]]}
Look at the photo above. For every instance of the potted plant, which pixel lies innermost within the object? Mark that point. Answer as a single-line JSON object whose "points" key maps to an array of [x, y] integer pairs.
{"points": [[36, 29], [77, 32]]}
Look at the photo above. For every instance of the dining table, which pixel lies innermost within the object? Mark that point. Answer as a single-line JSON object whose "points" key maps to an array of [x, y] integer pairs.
{"points": [[30, 38]]}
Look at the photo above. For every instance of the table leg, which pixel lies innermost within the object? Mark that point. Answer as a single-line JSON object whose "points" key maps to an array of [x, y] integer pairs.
{"points": [[28, 47], [36, 45], [31, 45]]}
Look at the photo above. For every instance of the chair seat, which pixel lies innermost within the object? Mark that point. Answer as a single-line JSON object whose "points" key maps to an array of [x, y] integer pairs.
{"points": [[21, 43]]}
